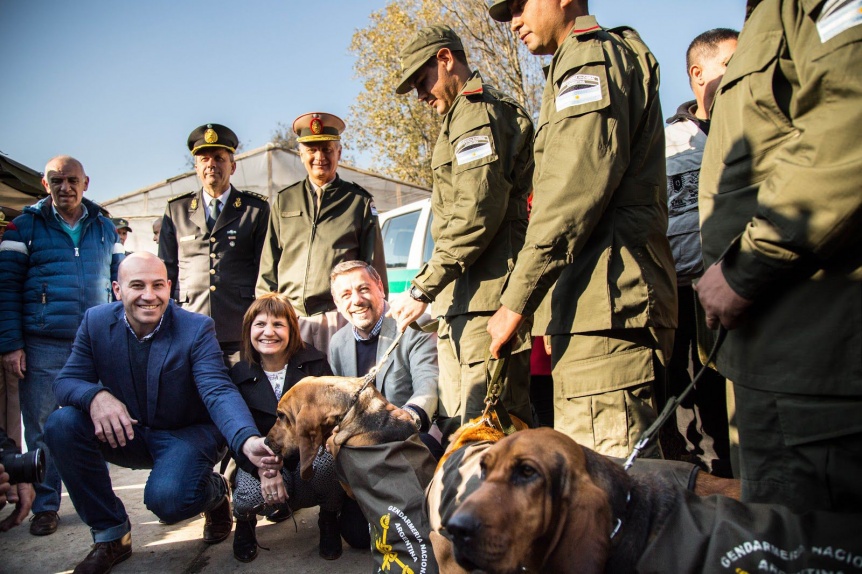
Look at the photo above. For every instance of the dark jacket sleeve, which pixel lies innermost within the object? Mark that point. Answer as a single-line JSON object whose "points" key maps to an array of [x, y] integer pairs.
{"points": [[78, 381], [14, 260], [169, 252], [221, 397]]}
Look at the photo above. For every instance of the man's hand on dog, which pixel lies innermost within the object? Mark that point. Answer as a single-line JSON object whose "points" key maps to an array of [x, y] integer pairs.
{"points": [[260, 455], [111, 419], [333, 446], [272, 489]]}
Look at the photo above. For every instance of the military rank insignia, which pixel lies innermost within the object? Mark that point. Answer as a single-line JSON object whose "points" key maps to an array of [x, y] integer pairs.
{"points": [[210, 136], [238, 203], [316, 126], [194, 204]]}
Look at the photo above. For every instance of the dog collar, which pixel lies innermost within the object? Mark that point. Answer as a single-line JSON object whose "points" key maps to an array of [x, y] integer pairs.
{"points": [[619, 522]]}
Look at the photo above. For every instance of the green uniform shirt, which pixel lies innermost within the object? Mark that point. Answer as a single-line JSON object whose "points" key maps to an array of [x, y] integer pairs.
{"points": [[781, 194], [599, 221], [482, 166], [302, 246]]}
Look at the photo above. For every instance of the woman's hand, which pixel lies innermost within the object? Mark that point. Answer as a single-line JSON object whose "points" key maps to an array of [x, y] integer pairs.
{"points": [[273, 490]]}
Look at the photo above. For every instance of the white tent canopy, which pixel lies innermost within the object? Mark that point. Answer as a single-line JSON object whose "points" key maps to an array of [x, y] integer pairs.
{"points": [[265, 170]]}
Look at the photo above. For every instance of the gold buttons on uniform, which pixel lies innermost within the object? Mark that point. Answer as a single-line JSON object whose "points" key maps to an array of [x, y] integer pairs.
{"points": [[212, 239], [212, 255], [212, 271], [212, 287]]}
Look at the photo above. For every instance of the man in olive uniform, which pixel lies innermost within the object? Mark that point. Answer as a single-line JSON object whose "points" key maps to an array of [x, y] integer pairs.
{"points": [[211, 239], [482, 165], [596, 243], [780, 208], [123, 230], [315, 224]]}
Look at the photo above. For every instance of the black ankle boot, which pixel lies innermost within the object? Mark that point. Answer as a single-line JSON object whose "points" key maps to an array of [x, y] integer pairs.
{"points": [[244, 540], [330, 535]]}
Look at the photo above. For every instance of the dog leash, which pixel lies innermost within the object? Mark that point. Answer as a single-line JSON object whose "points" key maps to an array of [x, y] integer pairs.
{"points": [[371, 375], [496, 386], [650, 433]]}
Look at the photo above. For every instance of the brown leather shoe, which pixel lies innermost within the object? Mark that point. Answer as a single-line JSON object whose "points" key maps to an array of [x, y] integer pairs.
{"points": [[44, 523], [219, 521], [104, 555]]}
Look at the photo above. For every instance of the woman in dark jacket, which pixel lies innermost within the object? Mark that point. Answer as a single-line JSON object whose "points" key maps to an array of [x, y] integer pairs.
{"points": [[274, 359]]}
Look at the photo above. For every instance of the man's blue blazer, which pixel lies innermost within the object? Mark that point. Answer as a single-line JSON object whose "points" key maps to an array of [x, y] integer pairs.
{"points": [[188, 387]]}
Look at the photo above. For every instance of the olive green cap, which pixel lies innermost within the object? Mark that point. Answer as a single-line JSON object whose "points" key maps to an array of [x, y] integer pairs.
{"points": [[499, 11], [421, 48]]}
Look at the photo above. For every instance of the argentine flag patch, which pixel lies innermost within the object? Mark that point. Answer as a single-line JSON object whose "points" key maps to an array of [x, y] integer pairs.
{"points": [[837, 16], [472, 148], [579, 89]]}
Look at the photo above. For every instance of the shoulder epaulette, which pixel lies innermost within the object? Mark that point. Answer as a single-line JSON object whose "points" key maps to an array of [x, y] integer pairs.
{"points": [[586, 31], [182, 195], [362, 190], [624, 31], [255, 195]]}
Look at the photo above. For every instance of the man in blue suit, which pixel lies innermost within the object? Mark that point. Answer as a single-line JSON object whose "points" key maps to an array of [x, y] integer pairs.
{"points": [[146, 387]]}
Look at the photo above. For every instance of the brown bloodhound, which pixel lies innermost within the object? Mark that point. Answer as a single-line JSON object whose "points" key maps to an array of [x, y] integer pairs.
{"points": [[313, 407], [544, 504]]}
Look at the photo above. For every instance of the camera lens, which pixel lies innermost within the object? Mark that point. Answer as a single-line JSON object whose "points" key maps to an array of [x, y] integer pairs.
{"points": [[27, 467]]}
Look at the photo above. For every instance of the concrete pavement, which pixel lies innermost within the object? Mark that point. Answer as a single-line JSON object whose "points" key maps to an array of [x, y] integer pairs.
{"points": [[175, 548]]}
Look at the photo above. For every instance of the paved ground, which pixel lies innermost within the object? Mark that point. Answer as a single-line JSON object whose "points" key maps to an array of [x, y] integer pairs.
{"points": [[177, 548]]}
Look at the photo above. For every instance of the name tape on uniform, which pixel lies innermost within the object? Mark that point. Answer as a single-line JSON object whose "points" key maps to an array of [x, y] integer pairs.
{"points": [[577, 90], [837, 16], [472, 148]]}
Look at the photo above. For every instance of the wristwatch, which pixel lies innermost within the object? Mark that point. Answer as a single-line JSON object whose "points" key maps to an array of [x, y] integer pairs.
{"points": [[417, 294]]}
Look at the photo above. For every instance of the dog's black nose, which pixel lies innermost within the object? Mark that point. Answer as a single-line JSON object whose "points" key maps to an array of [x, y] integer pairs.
{"points": [[463, 525]]}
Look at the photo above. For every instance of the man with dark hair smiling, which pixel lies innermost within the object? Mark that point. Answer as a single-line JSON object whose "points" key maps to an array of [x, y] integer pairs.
{"points": [[149, 378]]}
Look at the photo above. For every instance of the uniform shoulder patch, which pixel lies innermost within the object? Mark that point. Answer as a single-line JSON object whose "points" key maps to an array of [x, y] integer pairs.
{"points": [[837, 16], [182, 195], [473, 148], [577, 90]]}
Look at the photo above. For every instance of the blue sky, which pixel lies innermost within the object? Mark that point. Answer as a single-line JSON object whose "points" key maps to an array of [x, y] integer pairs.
{"points": [[120, 84]]}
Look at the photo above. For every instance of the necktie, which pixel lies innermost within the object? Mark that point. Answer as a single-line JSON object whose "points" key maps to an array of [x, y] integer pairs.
{"points": [[215, 210]]}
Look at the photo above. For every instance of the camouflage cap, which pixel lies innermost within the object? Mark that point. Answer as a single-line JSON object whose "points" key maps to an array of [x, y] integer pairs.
{"points": [[421, 48], [499, 10], [121, 223]]}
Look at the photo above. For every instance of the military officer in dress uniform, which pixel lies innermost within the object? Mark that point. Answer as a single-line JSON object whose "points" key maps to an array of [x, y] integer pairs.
{"points": [[482, 164], [211, 239], [315, 224], [596, 245]]}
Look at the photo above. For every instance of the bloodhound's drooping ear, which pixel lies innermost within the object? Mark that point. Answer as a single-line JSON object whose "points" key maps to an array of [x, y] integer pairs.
{"points": [[578, 537], [313, 425]]}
